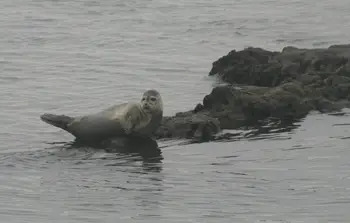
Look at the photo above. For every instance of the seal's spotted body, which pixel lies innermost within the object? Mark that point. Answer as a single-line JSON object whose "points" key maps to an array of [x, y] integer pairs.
{"points": [[129, 118]]}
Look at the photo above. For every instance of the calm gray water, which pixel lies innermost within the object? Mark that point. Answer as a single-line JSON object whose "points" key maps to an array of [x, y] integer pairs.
{"points": [[74, 57]]}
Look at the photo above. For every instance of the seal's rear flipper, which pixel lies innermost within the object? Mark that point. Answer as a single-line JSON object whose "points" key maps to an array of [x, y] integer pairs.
{"points": [[60, 121]]}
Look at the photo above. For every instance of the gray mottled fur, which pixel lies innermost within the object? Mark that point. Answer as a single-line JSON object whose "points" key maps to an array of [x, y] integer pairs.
{"points": [[123, 119]]}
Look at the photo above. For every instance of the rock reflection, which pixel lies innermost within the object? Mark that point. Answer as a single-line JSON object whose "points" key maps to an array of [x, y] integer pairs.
{"points": [[267, 129]]}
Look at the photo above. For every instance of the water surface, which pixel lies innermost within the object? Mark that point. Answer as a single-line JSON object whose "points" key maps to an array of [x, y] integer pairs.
{"points": [[77, 57]]}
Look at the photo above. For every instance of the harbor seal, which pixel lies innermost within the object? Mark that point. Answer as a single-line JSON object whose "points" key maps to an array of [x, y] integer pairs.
{"points": [[140, 119]]}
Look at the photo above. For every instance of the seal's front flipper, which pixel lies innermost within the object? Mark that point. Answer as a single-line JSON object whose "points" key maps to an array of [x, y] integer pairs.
{"points": [[60, 121], [128, 125]]}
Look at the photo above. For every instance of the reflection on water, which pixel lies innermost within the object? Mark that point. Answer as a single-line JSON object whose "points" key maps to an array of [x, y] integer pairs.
{"points": [[81, 179], [265, 129], [145, 147], [253, 178], [130, 149]]}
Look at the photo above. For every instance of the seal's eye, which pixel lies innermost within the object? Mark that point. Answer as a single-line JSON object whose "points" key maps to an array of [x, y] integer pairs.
{"points": [[153, 99], [143, 99]]}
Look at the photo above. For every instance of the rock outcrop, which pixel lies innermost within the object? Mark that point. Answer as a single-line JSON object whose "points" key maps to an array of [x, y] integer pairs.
{"points": [[261, 84]]}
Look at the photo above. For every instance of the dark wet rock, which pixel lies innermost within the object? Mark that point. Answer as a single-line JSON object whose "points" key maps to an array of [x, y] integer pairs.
{"points": [[198, 108], [256, 103], [308, 79], [255, 66], [189, 125], [241, 67], [261, 84], [321, 73]]}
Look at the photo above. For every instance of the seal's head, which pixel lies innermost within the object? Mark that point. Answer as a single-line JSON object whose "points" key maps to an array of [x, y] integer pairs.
{"points": [[151, 102]]}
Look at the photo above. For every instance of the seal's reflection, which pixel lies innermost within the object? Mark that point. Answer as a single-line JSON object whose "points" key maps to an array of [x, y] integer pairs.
{"points": [[131, 167], [138, 147], [149, 180]]}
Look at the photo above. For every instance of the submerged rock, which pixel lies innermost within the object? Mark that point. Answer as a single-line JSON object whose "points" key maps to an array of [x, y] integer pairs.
{"points": [[262, 84]]}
